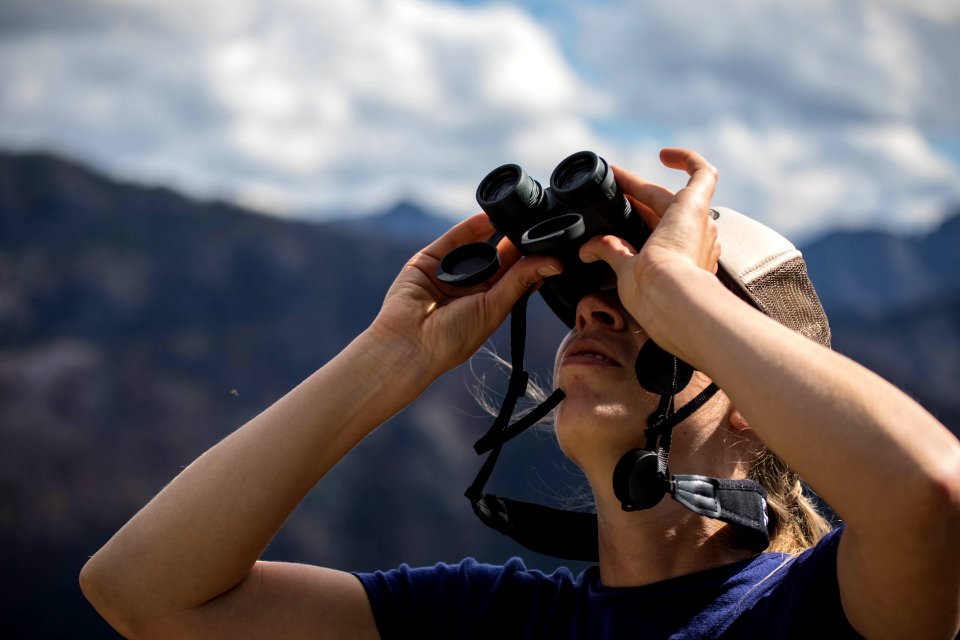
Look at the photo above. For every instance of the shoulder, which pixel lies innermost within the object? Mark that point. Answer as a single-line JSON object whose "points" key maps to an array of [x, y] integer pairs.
{"points": [[798, 598], [818, 563], [464, 598]]}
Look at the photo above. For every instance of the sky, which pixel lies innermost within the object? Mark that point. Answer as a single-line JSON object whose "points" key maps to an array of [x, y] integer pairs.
{"points": [[818, 114]]}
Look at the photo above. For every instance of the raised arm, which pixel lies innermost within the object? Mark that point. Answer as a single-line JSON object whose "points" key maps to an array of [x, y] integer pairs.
{"points": [[889, 468], [186, 564]]}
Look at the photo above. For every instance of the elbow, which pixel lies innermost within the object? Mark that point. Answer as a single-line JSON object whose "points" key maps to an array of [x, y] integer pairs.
{"points": [[90, 584], [941, 506], [95, 586], [950, 488], [946, 532], [948, 482]]}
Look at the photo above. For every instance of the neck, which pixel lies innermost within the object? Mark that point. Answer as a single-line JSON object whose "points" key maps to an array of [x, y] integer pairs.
{"points": [[643, 547]]}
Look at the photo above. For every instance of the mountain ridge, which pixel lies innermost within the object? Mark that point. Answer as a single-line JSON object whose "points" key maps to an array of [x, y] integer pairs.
{"points": [[139, 326]]}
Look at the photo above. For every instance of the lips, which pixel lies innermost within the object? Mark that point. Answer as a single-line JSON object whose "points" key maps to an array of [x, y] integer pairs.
{"points": [[591, 352]]}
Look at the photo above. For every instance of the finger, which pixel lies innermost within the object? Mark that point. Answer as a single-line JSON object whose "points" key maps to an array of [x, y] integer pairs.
{"points": [[710, 246], [476, 228], [523, 276], [703, 175], [646, 214], [652, 195], [715, 257], [508, 252], [686, 159], [611, 249]]}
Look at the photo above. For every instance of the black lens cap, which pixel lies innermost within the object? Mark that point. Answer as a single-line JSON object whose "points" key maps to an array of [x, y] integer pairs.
{"points": [[469, 264], [637, 482], [661, 372]]}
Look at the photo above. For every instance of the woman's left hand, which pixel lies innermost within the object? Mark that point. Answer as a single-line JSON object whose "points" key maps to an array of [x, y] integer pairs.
{"points": [[438, 326]]}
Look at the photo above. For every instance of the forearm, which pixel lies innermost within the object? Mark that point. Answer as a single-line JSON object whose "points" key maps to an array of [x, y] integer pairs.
{"points": [[873, 453], [889, 468], [201, 535]]}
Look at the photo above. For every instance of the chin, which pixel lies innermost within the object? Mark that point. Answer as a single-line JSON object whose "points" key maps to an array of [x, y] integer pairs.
{"points": [[593, 429]]}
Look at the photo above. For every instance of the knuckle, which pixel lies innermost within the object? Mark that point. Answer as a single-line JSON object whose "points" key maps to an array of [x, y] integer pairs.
{"points": [[713, 232]]}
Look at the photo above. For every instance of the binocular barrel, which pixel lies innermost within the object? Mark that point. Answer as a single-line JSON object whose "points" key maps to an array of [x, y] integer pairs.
{"points": [[582, 201], [582, 183], [512, 200]]}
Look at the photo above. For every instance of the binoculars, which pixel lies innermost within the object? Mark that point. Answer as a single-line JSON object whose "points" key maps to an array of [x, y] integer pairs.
{"points": [[582, 201]]}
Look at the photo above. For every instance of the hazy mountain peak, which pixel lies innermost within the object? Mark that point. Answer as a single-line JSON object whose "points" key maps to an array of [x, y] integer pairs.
{"points": [[405, 222], [871, 273]]}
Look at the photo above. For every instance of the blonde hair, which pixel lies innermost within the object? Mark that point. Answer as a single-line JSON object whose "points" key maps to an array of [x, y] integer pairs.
{"points": [[795, 523]]}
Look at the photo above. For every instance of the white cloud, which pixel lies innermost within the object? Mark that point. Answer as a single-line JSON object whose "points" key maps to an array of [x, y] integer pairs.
{"points": [[302, 104], [800, 181], [818, 114], [943, 11], [829, 59]]}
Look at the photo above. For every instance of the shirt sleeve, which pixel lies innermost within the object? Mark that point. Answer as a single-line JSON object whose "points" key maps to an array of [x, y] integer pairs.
{"points": [[805, 603]]}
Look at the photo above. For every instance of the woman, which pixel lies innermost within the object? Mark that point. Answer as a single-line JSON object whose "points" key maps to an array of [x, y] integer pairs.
{"points": [[186, 565]]}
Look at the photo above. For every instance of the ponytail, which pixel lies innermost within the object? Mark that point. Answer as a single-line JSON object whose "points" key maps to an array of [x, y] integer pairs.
{"points": [[795, 523]]}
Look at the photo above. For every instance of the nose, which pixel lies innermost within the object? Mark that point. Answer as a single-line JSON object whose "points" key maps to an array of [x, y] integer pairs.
{"points": [[601, 309]]}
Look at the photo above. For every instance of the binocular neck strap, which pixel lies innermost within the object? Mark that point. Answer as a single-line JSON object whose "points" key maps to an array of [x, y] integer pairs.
{"points": [[641, 478], [531, 525], [502, 430]]}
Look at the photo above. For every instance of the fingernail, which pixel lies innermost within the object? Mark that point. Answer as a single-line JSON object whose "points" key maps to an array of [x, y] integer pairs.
{"points": [[587, 256], [547, 271]]}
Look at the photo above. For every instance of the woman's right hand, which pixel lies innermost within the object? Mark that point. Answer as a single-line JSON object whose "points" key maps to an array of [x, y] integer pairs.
{"points": [[439, 326], [683, 240]]}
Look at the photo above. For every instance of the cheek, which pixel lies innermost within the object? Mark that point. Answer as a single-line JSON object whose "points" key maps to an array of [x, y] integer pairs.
{"points": [[589, 424], [570, 439]]}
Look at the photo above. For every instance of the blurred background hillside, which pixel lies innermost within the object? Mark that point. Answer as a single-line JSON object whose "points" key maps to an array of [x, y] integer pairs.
{"points": [[139, 327], [201, 201]]}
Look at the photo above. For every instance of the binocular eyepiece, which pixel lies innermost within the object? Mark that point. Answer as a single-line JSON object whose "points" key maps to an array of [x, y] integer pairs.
{"points": [[582, 201]]}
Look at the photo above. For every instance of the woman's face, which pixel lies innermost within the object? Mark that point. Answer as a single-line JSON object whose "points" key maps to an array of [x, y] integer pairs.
{"points": [[605, 410]]}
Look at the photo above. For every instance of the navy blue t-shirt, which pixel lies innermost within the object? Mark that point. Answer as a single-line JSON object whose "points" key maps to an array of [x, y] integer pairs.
{"points": [[772, 595]]}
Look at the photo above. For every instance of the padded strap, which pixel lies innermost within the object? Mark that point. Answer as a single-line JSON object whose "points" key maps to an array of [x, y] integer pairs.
{"points": [[738, 502], [571, 535]]}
